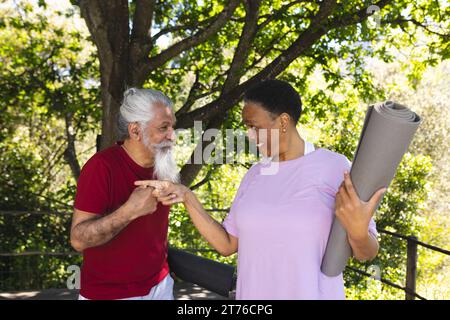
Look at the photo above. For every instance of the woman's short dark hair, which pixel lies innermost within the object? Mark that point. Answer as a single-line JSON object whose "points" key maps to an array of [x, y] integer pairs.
{"points": [[277, 97]]}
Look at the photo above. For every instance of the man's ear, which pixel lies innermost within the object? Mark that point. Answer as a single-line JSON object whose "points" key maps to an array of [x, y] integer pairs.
{"points": [[134, 130]]}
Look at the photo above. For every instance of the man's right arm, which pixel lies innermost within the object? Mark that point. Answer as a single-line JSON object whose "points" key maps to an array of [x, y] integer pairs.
{"points": [[91, 230]]}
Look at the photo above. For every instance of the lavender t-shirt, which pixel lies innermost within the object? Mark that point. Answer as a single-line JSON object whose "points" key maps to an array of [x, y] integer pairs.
{"points": [[282, 221]]}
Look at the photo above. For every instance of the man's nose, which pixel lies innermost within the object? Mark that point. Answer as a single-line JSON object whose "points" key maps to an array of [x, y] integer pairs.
{"points": [[171, 135]]}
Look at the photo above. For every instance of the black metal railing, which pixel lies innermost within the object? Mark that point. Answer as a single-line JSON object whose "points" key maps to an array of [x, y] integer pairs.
{"points": [[412, 244], [411, 264]]}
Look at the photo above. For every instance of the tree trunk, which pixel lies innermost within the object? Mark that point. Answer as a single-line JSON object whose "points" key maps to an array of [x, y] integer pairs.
{"points": [[111, 39], [111, 106]]}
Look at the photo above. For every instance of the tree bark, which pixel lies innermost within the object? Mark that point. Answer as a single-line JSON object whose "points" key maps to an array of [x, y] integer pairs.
{"points": [[109, 26]]}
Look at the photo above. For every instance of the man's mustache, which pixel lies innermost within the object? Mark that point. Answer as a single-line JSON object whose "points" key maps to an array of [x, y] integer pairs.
{"points": [[164, 145]]}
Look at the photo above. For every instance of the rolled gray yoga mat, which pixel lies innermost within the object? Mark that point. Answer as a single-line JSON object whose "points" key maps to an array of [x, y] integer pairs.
{"points": [[387, 132], [211, 275]]}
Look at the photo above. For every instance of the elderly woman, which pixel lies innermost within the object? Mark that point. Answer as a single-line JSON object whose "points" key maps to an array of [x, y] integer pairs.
{"points": [[279, 222]]}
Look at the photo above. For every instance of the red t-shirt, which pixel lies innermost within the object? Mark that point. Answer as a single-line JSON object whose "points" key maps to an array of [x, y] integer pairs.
{"points": [[135, 260]]}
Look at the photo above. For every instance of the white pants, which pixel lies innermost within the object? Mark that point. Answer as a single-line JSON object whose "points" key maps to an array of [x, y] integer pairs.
{"points": [[162, 291]]}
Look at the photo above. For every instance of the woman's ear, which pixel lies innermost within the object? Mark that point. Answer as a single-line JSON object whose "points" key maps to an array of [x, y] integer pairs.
{"points": [[285, 120]]}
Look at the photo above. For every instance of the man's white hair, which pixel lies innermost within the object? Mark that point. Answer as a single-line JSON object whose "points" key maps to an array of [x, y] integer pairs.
{"points": [[137, 106]]}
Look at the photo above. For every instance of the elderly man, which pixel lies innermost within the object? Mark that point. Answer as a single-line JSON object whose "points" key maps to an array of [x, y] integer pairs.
{"points": [[121, 229]]}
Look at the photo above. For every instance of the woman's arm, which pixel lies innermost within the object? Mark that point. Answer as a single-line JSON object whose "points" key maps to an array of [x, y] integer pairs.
{"points": [[169, 193], [355, 215], [364, 248], [209, 228]]}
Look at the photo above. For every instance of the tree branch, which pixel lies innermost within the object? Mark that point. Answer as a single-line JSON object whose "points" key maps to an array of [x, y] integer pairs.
{"points": [[181, 27], [70, 154], [303, 42], [191, 95], [204, 180], [355, 17], [152, 63], [401, 21], [140, 41], [234, 74], [240, 55], [268, 49], [319, 26], [278, 13]]}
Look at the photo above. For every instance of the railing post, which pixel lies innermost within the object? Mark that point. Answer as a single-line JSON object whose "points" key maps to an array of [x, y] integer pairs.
{"points": [[411, 267]]}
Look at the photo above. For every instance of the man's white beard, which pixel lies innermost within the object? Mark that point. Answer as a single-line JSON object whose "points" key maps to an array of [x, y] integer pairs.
{"points": [[165, 165]]}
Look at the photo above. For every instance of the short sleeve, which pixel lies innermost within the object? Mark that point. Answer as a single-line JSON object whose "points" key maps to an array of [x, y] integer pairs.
{"points": [[230, 223], [93, 187], [348, 164], [373, 228], [333, 177]]}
